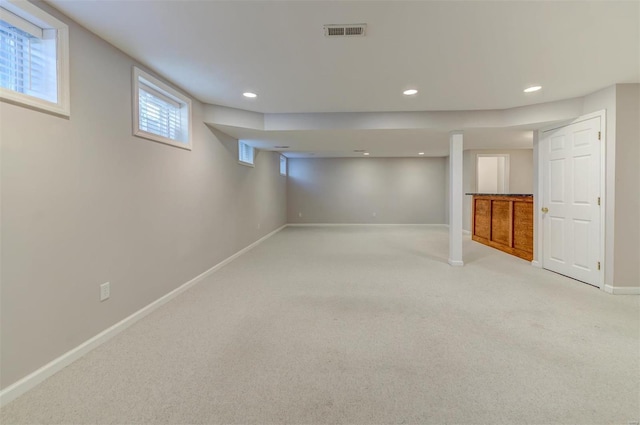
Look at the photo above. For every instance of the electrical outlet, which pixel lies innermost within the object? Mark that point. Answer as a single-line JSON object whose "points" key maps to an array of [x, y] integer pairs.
{"points": [[374, 214], [299, 214], [105, 291]]}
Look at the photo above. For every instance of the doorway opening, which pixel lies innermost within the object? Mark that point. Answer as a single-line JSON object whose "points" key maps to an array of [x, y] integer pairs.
{"points": [[492, 173]]}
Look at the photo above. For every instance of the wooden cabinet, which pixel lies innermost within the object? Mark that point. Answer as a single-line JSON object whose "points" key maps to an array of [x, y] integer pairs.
{"points": [[504, 222]]}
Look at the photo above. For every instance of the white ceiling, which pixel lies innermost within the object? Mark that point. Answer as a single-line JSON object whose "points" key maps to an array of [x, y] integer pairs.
{"points": [[459, 55], [379, 143], [462, 56]]}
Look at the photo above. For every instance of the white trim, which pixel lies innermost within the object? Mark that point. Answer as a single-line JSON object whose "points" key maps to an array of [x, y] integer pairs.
{"points": [[444, 226], [44, 20], [622, 290], [602, 114], [31, 13], [455, 263], [20, 387], [166, 90], [465, 231], [21, 23], [536, 199], [603, 198], [242, 144]]}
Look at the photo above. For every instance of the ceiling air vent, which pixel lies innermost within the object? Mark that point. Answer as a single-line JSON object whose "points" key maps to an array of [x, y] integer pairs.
{"points": [[348, 30]]}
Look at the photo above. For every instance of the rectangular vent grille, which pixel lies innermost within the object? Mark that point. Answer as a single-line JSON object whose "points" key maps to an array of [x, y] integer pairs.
{"points": [[351, 30]]}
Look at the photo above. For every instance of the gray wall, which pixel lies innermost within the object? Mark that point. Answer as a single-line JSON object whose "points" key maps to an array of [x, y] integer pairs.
{"points": [[627, 201], [350, 190], [520, 175], [84, 202]]}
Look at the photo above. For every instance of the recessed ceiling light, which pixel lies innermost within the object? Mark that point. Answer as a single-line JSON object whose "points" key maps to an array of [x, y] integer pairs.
{"points": [[420, 153], [366, 154], [410, 92], [249, 94], [532, 89]]}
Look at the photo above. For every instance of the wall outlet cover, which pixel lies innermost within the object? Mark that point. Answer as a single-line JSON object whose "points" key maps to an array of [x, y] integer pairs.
{"points": [[105, 291]]}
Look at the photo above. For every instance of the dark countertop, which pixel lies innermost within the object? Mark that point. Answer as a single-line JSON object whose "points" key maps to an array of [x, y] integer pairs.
{"points": [[499, 194]]}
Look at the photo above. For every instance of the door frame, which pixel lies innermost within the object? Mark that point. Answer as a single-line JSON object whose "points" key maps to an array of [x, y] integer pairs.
{"points": [[507, 170], [539, 188]]}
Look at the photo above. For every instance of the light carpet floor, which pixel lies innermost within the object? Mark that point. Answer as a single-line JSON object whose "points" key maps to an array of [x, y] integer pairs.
{"points": [[362, 325]]}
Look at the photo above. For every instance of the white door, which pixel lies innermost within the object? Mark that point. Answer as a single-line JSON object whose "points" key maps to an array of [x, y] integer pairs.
{"points": [[571, 193]]}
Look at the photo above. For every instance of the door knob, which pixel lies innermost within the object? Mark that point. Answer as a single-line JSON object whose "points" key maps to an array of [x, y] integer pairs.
{"points": [[545, 210]]}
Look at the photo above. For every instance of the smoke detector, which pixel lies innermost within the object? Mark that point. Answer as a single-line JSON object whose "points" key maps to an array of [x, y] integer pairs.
{"points": [[345, 30]]}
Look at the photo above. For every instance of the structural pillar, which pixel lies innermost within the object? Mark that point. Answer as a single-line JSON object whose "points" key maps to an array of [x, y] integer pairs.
{"points": [[455, 198]]}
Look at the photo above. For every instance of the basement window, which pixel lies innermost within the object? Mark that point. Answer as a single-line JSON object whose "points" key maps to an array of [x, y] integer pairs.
{"points": [[34, 58], [283, 165], [161, 113], [245, 153]]}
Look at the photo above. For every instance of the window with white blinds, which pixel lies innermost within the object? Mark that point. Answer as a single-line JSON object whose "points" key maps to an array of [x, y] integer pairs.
{"points": [[245, 153], [33, 57], [161, 113], [283, 165]]}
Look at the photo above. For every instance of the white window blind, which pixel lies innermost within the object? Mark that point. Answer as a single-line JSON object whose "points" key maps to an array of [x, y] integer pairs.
{"points": [[27, 58], [283, 165], [245, 153], [159, 114]]}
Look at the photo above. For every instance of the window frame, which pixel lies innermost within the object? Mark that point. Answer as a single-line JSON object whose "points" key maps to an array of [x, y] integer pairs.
{"points": [[165, 90], [286, 166], [253, 154], [33, 15]]}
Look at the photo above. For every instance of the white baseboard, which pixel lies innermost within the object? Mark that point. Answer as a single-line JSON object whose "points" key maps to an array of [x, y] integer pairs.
{"points": [[622, 290], [360, 224], [456, 263], [20, 387], [464, 231], [536, 263]]}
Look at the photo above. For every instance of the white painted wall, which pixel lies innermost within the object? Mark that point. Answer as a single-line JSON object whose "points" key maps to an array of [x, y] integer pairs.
{"points": [[351, 190], [84, 202]]}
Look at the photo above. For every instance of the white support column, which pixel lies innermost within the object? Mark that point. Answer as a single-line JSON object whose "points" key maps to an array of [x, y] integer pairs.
{"points": [[455, 199]]}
